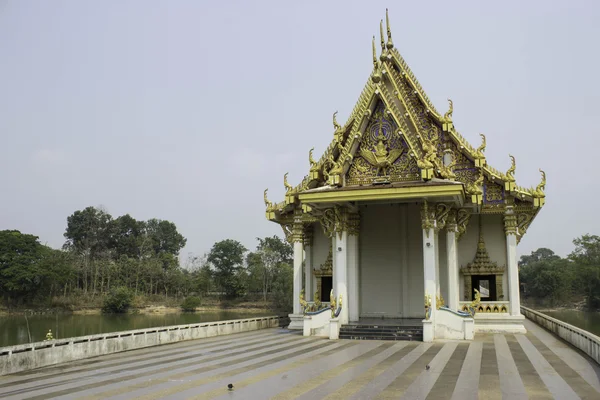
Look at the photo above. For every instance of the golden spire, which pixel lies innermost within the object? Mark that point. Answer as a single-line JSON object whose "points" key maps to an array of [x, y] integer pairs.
{"points": [[311, 160], [390, 44], [376, 77], [381, 38]]}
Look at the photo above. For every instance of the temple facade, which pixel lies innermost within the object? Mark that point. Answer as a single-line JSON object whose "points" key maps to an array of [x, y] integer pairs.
{"points": [[402, 218]]}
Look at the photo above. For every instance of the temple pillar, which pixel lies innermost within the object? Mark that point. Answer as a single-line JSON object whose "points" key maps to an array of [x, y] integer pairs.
{"points": [[353, 291], [429, 272], [510, 227], [308, 274], [452, 261], [297, 317], [340, 261], [340, 272]]}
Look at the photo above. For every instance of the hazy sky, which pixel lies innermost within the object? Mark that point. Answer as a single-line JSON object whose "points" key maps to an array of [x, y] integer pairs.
{"points": [[188, 110]]}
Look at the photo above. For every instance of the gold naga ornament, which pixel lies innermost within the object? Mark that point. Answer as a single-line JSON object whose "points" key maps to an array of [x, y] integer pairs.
{"points": [[539, 197], [510, 184], [479, 156], [447, 120], [382, 158], [270, 212]]}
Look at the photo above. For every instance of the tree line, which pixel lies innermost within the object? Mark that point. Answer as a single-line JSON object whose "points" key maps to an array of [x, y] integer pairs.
{"points": [[102, 253], [551, 280]]}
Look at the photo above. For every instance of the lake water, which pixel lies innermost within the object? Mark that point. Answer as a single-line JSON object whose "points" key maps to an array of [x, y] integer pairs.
{"points": [[13, 329], [588, 320]]}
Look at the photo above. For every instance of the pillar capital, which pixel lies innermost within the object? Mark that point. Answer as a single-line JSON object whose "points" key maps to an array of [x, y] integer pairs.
{"points": [[308, 235], [442, 212], [427, 217], [297, 228], [451, 224], [353, 224], [462, 220], [510, 221]]}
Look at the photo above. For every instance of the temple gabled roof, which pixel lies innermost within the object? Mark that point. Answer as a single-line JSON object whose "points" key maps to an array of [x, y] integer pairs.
{"points": [[395, 134]]}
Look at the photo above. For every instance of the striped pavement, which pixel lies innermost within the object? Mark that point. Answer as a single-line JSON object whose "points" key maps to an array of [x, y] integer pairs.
{"points": [[277, 364]]}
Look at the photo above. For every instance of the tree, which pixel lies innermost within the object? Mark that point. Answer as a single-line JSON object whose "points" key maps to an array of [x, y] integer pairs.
{"points": [[264, 264], [586, 256], [541, 254], [227, 258], [89, 234], [29, 269]]}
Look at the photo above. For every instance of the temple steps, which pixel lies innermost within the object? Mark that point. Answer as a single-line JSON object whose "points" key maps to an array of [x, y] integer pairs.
{"points": [[381, 332]]}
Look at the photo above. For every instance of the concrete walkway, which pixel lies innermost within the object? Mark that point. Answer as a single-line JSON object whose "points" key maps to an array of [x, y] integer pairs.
{"points": [[281, 365]]}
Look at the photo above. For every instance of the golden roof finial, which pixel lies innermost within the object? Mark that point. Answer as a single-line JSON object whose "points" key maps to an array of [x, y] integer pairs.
{"points": [[448, 115], [285, 182], [381, 38], [267, 202], [335, 123], [510, 174], [375, 63], [542, 186], [376, 77], [481, 148], [311, 160], [390, 44]]}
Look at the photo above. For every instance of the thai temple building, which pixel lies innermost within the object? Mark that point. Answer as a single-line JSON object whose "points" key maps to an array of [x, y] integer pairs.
{"points": [[401, 219]]}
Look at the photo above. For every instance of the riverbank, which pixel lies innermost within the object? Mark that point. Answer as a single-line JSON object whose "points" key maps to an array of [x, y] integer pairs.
{"points": [[141, 305]]}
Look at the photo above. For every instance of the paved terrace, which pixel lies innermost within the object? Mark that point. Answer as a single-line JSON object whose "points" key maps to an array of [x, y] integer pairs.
{"points": [[274, 363]]}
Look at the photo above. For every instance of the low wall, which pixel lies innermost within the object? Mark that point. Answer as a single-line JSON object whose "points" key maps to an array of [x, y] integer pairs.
{"points": [[41, 354], [583, 340]]}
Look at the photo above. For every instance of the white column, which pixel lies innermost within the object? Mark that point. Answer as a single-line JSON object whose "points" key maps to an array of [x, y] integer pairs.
{"points": [[308, 275], [340, 272], [510, 226], [452, 261], [353, 292], [308, 278], [437, 264], [297, 317], [297, 275], [430, 278]]}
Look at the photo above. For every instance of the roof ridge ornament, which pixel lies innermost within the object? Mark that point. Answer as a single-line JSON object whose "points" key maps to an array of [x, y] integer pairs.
{"points": [[382, 40], [335, 123], [448, 115], [481, 148], [288, 187], [311, 160], [390, 44], [376, 77]]}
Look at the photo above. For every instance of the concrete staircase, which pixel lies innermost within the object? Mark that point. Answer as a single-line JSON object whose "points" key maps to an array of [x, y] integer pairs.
{"points": [[360, 331]]}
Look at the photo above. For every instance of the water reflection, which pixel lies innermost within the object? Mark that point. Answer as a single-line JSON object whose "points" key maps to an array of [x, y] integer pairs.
{"points": [[587, 320], [13, 329]]}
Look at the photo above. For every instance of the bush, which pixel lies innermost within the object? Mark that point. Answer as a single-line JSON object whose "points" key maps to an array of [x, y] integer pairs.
{"points": [[190, 303], [118, 301]]}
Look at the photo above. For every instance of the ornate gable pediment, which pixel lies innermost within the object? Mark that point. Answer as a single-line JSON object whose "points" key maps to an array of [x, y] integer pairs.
{"points": [[382, 154], [395, 134]]}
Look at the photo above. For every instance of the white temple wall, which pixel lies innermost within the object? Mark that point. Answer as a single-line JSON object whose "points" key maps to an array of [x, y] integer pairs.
{"points": [[443, 257], [320, 250], [415, 304], [391, 261]]}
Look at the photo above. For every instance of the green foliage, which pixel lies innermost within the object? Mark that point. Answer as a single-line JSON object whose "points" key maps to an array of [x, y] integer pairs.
{"points": [[28, 268], [191, 303], [226, 257], [118, 301], [283, 288], [555, 280]]}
